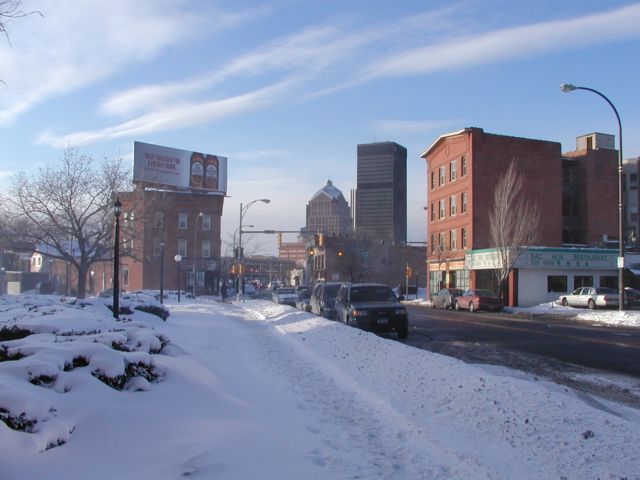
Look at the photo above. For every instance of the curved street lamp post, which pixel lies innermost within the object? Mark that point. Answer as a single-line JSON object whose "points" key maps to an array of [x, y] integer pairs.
{"points": [[566, 88], [243, 211], [178, 259]]}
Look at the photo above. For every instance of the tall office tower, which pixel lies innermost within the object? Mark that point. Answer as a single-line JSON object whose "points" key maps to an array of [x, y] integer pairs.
{"points": [[381, 196]]}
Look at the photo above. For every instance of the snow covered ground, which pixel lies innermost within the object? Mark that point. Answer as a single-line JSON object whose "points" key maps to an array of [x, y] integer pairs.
{"points": [[256, 390]]}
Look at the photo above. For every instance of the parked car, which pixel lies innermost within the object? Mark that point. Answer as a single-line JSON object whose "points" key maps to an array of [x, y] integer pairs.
{"points": [[479, 299], [303, 300], [323, 297], [631, 297], [591, 297], [250, 291], [373, 307], [285, 296], [446, 297]]}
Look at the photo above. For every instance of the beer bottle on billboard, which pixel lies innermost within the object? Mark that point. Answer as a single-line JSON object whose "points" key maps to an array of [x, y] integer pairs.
{"points": [[211, 172], [197, 170]]}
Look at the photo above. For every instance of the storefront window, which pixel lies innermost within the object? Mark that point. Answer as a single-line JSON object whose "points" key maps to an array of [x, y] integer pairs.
{"points": [[609, 281], [582, 281], [557, 283]]}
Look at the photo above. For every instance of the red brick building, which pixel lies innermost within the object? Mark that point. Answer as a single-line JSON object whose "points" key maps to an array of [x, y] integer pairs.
{"points": [[575, 193], [156, 226]]}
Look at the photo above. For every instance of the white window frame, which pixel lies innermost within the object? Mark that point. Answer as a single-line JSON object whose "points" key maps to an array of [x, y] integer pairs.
{"points": [[453, 170], [206, 248], [453, 206], [206, 222], [182, 221], [182, 247], [441, 209], [158, 219], [453, 240]]}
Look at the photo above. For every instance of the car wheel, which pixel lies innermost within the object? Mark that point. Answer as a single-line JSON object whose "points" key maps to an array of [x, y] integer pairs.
{"points": [[447, 305], [565, 303], [403, 332], [592, 305], [456, 306], [471, 307]]}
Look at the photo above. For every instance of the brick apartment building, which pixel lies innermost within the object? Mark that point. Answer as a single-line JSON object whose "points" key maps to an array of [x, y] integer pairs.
{"points": [[187, 223], [576, 194]]}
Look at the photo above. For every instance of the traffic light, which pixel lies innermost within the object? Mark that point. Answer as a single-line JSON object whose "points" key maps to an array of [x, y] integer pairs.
{"points": [[340, 253], [310, 252]]}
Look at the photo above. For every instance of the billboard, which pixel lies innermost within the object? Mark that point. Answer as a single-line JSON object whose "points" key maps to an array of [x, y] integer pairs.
{"points": [[181, 169]]}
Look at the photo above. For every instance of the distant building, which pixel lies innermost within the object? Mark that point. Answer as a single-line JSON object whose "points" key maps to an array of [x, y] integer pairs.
{"points": [[381, 193], [328, 212]]}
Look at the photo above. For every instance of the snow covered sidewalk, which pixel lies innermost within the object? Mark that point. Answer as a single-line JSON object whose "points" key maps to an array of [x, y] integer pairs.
{"points": [[262, 391]]}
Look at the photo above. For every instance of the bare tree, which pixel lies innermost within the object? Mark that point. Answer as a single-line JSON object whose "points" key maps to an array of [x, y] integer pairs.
{"points": [[69, 210], [10, 10], [513, 223]]}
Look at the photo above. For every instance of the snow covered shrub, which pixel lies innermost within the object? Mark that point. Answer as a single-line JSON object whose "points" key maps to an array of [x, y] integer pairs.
{"points": [[133, 370], [6, 355], [13, 333], [157, 310], [77, 362], [20, 422]]}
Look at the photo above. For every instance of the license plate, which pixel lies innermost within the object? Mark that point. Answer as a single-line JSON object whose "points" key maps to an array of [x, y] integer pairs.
{"points": [[382, 321]]}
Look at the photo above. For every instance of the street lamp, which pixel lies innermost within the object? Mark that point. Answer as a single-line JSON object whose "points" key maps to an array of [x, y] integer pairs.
{"points": [[117, 210], [566, 88], [91, 280], [178, 259], [161, 271], [195, 232], [243, 211]]}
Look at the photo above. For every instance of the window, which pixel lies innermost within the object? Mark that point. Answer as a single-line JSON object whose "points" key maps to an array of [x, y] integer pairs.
{"points": [[206, 248], [463, 166], [463, 201], [182, 247], [463, 237], [453, 207], [441, 171], [453, 240], [206, 222], [609, 281], [433, 212], [157, 247], [453, 170], [433, 243], [582, 281], [441, 212], [433, 179], [158, 220], [182, 221], [125, 276], [441, 240], [557, 283]]}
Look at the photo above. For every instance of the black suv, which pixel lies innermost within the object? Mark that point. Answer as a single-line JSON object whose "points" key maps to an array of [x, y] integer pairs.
{"points": [[371, 306], [322, 298]]}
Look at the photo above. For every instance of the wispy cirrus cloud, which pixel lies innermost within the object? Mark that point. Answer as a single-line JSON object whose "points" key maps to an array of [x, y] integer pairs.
{"points": [[509, 44], [177, 117], [76, 44]]}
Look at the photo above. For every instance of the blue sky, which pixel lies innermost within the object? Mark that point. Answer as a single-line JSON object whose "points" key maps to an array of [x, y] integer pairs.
{"points": [[286, 89]]}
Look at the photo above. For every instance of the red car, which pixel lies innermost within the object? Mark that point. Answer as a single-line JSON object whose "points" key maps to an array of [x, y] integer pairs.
{"points": [[479, 299]]}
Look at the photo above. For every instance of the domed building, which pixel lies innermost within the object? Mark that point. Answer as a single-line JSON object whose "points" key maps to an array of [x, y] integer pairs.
{"points": [[328, 212]]}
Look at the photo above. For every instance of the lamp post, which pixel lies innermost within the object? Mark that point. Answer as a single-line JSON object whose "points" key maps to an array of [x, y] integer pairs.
{"points": [[178, 259], [243, 211], [161, 271], [195, 232], [117, 210], [566, 88], [91, 280]]}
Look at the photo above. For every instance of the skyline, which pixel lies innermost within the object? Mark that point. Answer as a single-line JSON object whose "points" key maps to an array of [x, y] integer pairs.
{"points": [[286, 90]]}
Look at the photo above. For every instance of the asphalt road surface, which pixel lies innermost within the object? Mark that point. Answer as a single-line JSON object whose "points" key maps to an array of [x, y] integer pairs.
{"points": [[555, 347]]}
